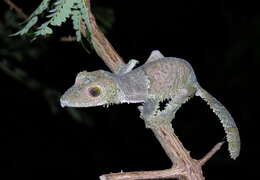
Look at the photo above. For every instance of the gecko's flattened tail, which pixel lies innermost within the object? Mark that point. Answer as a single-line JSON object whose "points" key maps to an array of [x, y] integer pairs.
{"points": [[226, 120]]}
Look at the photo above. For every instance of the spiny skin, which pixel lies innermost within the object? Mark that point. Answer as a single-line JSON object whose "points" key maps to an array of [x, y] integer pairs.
{"points": [[160, 78]]}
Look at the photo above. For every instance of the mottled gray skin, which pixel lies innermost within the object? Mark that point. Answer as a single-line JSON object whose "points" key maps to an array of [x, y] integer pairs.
{"points": [[160, 78]]}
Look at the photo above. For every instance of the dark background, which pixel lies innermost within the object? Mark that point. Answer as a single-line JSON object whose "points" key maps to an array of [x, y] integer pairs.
{"points": [[219, 38]]}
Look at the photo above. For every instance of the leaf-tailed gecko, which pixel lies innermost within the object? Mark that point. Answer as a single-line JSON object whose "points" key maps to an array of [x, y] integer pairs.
{"points": [[159, 79]]}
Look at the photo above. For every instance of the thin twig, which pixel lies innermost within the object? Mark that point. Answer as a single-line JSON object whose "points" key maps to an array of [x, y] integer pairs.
{"points": [[211, 153], [16, 8], [68, 38]]}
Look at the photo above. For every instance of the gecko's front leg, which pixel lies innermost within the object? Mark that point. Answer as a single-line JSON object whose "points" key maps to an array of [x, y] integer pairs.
{"points": [[127, 67], [148, 109]]}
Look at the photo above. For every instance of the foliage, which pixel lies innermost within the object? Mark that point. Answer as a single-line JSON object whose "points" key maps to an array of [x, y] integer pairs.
{"points": [[20, 50], [15, 56], [59, 12]]}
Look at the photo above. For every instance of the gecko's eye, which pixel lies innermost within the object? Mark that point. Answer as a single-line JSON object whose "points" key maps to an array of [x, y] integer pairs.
{"points": [[94, 91]]}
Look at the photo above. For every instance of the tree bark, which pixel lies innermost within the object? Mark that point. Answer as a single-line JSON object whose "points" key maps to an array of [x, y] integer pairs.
{"points": [[183, 165]]}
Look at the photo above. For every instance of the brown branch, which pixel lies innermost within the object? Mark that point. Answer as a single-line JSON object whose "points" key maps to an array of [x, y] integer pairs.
{"points": [[170, 143], [102, 46], [161, 174], [183, 165], [16, 8], [211, 153], [68, 39]]}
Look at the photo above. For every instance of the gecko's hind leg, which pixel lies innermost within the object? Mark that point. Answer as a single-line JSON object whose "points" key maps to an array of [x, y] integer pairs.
{"points": [[149, 108], [154, 117], [175, 103]]}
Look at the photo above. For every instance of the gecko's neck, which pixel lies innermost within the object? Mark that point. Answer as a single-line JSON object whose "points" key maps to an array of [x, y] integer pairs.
{"points": [[133, 86]]}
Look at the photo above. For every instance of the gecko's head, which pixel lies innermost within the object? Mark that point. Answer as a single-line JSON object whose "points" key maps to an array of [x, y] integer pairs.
{"points": [[91, 89]]}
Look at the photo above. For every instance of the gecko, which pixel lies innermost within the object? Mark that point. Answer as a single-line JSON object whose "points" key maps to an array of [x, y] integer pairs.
{"points": [[159, 79]]}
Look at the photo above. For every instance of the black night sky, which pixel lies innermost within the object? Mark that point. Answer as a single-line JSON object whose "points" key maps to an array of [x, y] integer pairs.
{"points": [[220, 39]]}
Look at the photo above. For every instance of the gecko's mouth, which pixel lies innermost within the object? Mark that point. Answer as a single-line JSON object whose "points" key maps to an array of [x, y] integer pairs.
{"points": [[63, 103]]}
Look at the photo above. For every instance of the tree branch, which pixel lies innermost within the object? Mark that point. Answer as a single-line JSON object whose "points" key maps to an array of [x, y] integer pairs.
{"points": [[211, 153], [101, 45], [161, 174], [16, 8], [183, 166]]}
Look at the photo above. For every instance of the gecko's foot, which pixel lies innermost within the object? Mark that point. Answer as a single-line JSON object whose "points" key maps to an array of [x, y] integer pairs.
{"points": [[157, 121]]}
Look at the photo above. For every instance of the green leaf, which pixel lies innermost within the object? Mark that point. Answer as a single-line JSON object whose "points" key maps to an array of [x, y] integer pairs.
{"points": [[26, 28], [43, 6], [62, 10]]}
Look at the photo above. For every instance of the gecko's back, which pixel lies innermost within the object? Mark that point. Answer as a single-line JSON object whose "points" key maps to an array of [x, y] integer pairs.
{"points": [[167, 75]]}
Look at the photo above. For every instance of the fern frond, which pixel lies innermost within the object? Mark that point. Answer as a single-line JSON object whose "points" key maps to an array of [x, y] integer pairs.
{"points": [[75, 17], [58, 15], [43, 30], [80, 12], [61, 11], [84, 14], [27, 27], [42, 7]]}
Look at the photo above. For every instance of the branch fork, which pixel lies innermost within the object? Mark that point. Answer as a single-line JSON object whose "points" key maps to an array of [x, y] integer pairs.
{"points": [[184, 167]]}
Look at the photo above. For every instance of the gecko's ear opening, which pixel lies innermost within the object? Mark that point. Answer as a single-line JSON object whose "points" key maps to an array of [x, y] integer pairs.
{"points": [[155, 55]]}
